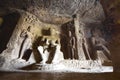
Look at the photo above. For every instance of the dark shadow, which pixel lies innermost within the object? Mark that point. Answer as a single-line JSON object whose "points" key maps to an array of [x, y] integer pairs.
{"points": [[7, 27], [36, 53], [27, 54], [21, 47], [64, 41], [91, 49], [66, 46], [104, 51], [46, 32], [85, 52], [51, 49], [30, 67]]}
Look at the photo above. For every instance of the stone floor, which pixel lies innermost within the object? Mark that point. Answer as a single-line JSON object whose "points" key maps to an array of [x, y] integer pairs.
{"points": [[58, 76]]}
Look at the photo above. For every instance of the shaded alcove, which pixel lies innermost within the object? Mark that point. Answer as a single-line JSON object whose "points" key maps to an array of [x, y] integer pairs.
{"points": [[7, 27], [68, 41], [97, 40], [94, 41]]}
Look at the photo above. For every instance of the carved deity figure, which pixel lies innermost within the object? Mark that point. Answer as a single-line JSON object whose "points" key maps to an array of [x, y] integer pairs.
{"points": [[50, 52]]}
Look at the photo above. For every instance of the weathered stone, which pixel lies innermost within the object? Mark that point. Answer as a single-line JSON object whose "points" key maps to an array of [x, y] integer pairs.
{"points": [[44, 23], [2, 61]]}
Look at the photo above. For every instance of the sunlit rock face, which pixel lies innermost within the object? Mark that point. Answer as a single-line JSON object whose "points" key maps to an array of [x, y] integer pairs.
{"points": [[54, 35]]}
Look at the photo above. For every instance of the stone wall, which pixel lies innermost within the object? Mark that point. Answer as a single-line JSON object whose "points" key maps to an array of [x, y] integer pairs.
{"points": [[74, 26]]}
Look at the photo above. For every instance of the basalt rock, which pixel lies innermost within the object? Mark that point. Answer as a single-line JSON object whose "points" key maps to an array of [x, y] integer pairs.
{"points": [[48, 32]]}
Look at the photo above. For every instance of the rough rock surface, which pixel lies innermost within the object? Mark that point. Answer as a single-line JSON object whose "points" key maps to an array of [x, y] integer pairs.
{"points": [[47, 10], [112, 11], [74, 25]]}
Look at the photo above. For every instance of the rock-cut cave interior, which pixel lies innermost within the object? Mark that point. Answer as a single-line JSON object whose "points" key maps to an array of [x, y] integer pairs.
{"points": [[41, 40]]}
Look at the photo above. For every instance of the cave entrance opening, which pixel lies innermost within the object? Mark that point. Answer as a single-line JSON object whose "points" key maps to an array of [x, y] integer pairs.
{"points": [[6, 29]]}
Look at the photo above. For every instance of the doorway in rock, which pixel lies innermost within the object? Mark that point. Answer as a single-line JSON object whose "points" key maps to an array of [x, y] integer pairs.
{"points": [[68, 41], [6, 28]]}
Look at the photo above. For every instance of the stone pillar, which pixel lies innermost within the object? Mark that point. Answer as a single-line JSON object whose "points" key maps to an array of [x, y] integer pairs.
{"points": [[79, 36]]}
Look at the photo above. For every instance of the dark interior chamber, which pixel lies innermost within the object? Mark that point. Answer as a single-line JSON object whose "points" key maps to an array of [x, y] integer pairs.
{"points": [[6, 28]]}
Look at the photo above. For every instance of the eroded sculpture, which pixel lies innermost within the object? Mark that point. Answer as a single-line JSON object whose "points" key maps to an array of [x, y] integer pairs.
{"points": [[47, 41]]}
